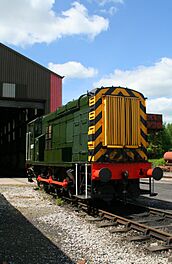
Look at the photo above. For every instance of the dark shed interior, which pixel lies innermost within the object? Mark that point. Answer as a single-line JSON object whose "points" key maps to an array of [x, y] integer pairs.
{"points": [[12, 139]]}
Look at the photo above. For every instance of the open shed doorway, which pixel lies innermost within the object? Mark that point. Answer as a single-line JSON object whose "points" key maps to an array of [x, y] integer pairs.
{"points": [[13, 139]]}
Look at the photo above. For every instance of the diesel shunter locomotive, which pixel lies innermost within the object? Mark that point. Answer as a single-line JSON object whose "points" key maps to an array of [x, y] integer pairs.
{"points": [[95, 146]]}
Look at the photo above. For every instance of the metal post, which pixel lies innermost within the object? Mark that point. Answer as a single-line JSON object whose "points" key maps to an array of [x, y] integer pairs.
{"points": [[153, 190], [76, 178], [29, 147], [26, 146], [150, 185], [86, 181]]}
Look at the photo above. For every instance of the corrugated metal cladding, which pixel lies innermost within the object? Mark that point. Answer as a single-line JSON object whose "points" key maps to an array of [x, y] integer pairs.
{"points": [[26, 79], [55, 94]]}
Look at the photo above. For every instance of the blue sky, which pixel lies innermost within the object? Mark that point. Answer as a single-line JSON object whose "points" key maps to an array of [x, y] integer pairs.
{"points": [[97, 43]]}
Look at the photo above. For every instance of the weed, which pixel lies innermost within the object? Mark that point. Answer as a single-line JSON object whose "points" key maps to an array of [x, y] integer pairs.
{"points": [[59, 201]]}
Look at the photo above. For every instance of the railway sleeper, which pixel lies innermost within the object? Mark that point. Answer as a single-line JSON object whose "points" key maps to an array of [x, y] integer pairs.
{"points": [[94, 219], [169, 226], [140, 215], [139, 238], [159, 248], [101, 225], [120, 230], [157, 218]]}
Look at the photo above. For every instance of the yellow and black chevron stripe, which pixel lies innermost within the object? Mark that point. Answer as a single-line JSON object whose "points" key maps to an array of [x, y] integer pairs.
{"points": [[117, 125]]}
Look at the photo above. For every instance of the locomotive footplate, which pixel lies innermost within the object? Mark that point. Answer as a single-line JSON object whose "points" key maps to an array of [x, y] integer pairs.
{"points": [[82, 197]]}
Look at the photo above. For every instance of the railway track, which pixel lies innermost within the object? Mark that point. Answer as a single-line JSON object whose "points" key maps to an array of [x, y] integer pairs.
{"points": [[152, 223]]}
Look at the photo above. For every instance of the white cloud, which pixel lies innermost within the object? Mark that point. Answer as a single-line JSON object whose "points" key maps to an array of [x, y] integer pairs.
{"points": [[155, 82], [73, 69], [110, 11], [159, 106], [152, 81], [104, 2], [108, 7], [34, 21]]}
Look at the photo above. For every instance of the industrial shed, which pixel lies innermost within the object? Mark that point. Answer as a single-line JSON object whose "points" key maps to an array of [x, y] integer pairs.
{"points": [[27, 90]]}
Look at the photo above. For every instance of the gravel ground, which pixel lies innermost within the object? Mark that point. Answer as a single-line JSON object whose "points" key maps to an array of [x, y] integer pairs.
{"points": [[34, 229]]}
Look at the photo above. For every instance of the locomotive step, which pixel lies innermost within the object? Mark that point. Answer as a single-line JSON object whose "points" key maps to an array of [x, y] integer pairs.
{"points": [[82, 197]]}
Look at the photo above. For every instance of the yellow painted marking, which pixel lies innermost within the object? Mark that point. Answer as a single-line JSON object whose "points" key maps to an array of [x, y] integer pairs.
{"points": [[118, 90], [99, 95], [131, 155], [132, 146], [144, 129], [142, 154], [92, 115], [91, 130], [91, 145], [99, 154], [144, 142], [139, 96], [92, 101], [144, 115], [98, 110], [90, 158]]}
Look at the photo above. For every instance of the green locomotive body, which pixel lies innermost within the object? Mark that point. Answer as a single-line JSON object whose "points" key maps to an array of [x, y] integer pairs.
{"points": [[60, 137]]}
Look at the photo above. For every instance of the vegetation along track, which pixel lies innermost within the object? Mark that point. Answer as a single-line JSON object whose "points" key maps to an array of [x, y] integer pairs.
{"points": [[150, 223]]}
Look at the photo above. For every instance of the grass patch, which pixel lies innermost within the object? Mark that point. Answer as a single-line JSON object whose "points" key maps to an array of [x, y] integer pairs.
{"points": [[157, 162]]}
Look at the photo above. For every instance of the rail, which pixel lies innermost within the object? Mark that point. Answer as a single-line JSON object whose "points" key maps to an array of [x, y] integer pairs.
{"points": [[148, 232]]}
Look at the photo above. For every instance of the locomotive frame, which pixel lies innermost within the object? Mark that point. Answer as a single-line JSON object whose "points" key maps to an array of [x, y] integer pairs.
{"points": [[94, 146]]}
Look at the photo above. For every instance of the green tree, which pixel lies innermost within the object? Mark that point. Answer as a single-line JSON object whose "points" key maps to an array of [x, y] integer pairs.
{"points": [[167, 137], [155, 149], [160, 141]]}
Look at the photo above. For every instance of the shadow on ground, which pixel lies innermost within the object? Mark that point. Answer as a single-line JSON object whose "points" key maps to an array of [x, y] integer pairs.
{"points": [[22, 243]]}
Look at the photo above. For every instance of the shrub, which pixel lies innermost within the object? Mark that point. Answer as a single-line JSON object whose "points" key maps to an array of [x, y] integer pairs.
{"points": [[157, 162]]}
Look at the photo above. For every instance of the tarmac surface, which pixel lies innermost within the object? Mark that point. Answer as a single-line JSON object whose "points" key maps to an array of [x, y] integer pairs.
{"points": [[14, 181]]}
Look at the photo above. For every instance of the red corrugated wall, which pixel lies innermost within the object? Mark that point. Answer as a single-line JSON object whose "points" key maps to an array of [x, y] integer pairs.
{"points": [[55, 92]]}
